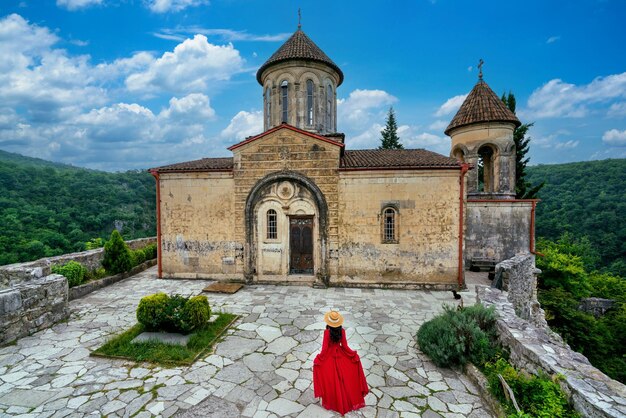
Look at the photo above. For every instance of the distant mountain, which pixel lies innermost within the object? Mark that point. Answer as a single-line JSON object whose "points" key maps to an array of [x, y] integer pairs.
{"points": [[48, 208], [586, 199]]}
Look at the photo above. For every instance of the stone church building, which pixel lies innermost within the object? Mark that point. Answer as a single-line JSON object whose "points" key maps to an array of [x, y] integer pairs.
{"points": [[293, 205]]}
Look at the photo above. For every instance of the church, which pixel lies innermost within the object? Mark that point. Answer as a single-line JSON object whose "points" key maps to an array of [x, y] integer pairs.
{"points": [[293, 205]]}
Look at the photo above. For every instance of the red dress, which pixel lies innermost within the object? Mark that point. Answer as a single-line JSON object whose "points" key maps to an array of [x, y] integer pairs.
{"points": [[338, 376]]}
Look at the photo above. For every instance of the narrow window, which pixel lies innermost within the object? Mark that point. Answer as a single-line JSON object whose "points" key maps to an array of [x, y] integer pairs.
{"points": [[272, 224], [389, 226], [329, 108], [284, 87], [309, 102], [268, 108]]}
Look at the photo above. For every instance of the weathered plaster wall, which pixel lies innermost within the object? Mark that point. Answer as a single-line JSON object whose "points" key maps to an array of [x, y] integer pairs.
{"points": [[428, 226], [497, 229], [536, 348], [286, 150], [197, 226]]}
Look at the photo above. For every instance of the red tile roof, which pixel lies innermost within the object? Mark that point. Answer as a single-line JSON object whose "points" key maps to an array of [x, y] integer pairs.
{"points": [[395, 159], [204, 164], [299, 47], [482, 105]]}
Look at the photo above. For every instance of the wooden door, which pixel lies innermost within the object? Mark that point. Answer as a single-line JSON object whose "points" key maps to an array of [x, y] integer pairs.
{"points": [[301, 245]]}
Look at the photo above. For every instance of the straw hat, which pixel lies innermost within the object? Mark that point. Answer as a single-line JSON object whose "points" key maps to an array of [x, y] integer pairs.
{"points": [[333, 319]]}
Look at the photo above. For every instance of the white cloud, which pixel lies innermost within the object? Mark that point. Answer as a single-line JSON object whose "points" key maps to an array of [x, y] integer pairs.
{"points": [[164, 6], [438, 125], [368, 139], [552, 142], [410, 137], [243, 125], [228, 35], [451, 105], [559, 99], [194, 65], [362, 106], [617, 109], [77, 4], [552, 39], [615, 138]]}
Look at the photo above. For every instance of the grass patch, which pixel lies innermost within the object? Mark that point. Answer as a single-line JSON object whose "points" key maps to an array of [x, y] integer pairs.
{"points": [[165, 354]]}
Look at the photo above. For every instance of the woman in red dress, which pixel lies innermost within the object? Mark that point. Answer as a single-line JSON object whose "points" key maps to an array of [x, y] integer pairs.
{"points": [[337, 372]]}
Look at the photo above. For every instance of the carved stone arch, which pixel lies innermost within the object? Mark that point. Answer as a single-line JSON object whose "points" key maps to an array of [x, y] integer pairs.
{"points": [[309, 75], [462, 150], [254, 197], [508, 148]]}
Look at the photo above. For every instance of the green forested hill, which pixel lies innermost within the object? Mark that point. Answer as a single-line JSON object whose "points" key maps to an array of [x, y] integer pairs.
{"points": [[585, 199], [48, 208]]}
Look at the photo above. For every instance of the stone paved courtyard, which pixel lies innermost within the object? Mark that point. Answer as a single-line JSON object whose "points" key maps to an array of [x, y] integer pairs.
{"points": [[262, 368]]}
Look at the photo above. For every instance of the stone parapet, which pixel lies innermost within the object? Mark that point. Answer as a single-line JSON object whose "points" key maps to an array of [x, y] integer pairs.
{"points": [[14, 274], [32, 306], [536, 348]]}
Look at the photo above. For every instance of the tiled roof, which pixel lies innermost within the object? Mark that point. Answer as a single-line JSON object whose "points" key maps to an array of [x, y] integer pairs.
{"points": [[395, 158], [482, 105], [299, 46], [204, 164]]}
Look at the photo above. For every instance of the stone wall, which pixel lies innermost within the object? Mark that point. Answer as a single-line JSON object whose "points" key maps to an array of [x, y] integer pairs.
{"points": [[32, 299], [32, 306], [14, 274], [497, 229], [536, 348], [518, 277], [426, 251]]}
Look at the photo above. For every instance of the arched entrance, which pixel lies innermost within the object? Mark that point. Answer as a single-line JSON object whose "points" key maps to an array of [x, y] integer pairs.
{"points": [[286, 228]]}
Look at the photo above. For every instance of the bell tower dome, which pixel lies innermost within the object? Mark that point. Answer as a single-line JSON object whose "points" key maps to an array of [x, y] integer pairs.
{"points": [[482, 135], [300, 87]]}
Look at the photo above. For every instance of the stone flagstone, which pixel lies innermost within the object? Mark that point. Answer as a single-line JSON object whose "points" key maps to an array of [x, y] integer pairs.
{"points": [[260, 368]]}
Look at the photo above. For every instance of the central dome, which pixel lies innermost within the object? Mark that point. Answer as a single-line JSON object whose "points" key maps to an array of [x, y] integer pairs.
{"points": [[299, 47]]}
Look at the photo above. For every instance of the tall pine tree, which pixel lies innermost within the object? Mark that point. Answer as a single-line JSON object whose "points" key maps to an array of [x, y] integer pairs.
{"points": [[523, 188], [390, 139]]}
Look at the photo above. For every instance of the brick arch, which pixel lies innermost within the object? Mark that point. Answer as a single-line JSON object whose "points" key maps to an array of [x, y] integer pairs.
{"points": [[255, 196]]}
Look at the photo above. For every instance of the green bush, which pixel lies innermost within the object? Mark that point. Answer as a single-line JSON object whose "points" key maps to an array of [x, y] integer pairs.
{"points": [[146, 253], [73, 270], [455, 337], [94, 243], [96, 274], [176, 313], [536, 396], [150, 251], [151, 312], [117, 256]]}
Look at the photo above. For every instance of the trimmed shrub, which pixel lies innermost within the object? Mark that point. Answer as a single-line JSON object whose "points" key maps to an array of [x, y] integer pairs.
{"points": [[455, 337], [96, 274], [138, 256], [73, 270], [152, 309], [150, 251], [117, 256], [176, 313]]}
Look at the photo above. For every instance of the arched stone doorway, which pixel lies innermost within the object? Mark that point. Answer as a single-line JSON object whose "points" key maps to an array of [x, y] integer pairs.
{"points": [[286, 219]]}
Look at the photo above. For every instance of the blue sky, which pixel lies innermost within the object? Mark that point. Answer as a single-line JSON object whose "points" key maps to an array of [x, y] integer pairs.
{"points": [[132, 84]]}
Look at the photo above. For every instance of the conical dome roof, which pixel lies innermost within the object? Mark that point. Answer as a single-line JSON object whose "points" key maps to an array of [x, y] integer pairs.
{"points": [[299, 47], [482, 105]]}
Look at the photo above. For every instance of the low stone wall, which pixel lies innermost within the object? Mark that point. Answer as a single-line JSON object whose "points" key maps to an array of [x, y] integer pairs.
{"points": [[14, 274], [518, 277], [32, 306], [536, 348], [32, 299]]}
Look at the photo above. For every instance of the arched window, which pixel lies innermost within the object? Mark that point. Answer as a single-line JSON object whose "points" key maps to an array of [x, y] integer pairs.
{"points": [[268, 108], [390, 225], [485, 169], [284, 88], [329, 108], [309, 102], [272, 224]]}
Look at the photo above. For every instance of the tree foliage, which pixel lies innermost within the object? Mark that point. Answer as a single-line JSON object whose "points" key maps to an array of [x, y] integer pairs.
{"points": [[587, 200], [117, 256], [48, 209], [523, 188], [390, 138]]}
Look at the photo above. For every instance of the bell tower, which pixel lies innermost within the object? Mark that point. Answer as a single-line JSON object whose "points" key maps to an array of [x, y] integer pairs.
{"points": [[482, 135], [300, 86]]}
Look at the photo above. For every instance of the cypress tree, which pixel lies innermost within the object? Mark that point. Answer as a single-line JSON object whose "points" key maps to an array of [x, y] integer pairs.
{"points": [[523, 188], [390, 139]]}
